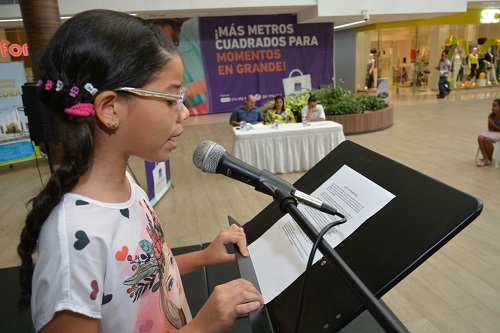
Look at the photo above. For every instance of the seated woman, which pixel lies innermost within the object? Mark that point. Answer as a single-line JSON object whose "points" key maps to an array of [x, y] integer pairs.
{"points": [[486, 139], [280, 113]]}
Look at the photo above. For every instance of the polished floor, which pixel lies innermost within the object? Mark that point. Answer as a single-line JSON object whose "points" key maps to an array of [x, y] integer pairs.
{"points": [[456, 290]]}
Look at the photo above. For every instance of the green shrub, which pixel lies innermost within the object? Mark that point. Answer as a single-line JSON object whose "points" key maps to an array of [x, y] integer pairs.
{"points": [[297, 102], [371, 102], [294, 102]]}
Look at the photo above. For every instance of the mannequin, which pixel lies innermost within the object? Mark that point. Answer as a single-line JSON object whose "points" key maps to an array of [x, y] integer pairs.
{"points": [[458, 70], [369, 72], [473, 62], [489, 65]]}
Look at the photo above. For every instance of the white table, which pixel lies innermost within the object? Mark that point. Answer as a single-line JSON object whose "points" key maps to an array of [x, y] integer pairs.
{"points": [[289, 148]]}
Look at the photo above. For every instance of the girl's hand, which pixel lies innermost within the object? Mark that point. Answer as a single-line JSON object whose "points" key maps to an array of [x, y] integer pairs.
{"points": [[226, 303], [216, 252]]}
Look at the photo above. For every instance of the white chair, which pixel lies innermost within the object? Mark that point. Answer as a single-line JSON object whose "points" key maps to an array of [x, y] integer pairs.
{"points": [[496, 154]]}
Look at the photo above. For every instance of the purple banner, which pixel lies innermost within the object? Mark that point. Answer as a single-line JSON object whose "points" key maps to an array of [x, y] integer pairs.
{"points": [[158, 179], [263, 55]]}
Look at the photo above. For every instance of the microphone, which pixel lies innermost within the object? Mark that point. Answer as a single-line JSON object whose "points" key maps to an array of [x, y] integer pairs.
{"points": [[213, 158]]}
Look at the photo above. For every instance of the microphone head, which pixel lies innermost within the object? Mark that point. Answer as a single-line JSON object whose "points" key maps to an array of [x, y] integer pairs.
{"points": [[207, 156]]}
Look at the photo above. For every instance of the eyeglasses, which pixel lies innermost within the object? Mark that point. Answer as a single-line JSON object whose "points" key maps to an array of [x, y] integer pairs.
{"points": [[149, 93]]}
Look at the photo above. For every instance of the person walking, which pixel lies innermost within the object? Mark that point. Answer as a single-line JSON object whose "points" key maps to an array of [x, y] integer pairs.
{"points": [[443, 67]]}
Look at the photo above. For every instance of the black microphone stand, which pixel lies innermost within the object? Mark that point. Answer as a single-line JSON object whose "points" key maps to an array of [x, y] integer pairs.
{"points": [[288, 204]]}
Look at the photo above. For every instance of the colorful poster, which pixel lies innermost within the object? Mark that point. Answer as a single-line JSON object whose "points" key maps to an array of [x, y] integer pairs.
{"points": [[261, 55], [15, 143], [158, 180]]}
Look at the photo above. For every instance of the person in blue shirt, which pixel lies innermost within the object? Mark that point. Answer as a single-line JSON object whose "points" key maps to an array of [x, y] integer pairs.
{"points": [[247, 112]]}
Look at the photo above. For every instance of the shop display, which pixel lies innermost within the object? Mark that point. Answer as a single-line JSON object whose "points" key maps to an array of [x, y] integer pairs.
{"points": [[369, 72], [489, 67], [473, 64], [458, 67]]}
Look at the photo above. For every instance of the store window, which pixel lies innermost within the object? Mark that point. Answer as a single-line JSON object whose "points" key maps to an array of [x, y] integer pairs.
{"points": [[407, 55], [396, 54]]}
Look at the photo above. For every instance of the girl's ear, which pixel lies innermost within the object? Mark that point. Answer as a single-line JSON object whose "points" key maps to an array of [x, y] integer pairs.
{"points": [[107, 109]]}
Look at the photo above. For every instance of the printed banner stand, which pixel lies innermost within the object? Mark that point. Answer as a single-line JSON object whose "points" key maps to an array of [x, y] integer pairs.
{"points": [[18, 151], [296, 84], [15, 142], [383, 89], [158, 180]]}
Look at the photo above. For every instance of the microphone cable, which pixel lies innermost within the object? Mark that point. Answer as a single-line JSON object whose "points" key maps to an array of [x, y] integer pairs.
{"points": [[36, 162], [309, 265]]}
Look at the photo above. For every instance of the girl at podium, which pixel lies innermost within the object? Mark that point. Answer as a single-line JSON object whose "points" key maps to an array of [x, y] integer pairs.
{"points": [[103, 263]]}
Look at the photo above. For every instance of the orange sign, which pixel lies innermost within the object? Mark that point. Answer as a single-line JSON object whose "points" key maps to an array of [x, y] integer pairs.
{"points": [[14, 50]]}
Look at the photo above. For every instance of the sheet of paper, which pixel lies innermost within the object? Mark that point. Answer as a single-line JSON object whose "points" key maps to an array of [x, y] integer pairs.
{"points": [[257, 126], [280, 255]]}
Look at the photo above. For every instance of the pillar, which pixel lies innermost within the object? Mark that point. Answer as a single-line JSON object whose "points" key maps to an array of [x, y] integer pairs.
{"points": [[41, 19]]}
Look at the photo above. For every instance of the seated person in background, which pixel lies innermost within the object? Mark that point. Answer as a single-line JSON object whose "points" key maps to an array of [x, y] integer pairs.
{"points": [[279, 112], [486, 139], [313, 111], [247, 112]]}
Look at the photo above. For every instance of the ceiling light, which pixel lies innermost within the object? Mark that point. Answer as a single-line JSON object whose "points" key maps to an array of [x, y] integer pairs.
{"points": [[12, 20], [62, 18], [348, 24], [366, 18]]}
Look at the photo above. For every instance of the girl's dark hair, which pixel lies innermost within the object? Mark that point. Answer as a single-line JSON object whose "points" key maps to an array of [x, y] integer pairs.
{"points": [[497, 100], [108, 50]]}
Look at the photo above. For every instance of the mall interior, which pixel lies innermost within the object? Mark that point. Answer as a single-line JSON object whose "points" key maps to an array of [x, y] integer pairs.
{"points": [[455, 287]]}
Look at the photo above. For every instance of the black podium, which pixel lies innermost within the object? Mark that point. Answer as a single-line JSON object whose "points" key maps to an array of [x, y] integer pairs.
{"points": [[424, 215]]}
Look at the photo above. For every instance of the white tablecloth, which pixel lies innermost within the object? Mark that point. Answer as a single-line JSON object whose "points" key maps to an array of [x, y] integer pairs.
{"points": [[289, 148]]}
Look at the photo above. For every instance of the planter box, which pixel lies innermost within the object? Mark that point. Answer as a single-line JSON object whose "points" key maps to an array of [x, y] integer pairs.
{"points": [[370, 121]]}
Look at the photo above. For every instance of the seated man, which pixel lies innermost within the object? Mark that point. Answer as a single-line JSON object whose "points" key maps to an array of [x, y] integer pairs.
{"points": [[247, 112], [313, 111]]}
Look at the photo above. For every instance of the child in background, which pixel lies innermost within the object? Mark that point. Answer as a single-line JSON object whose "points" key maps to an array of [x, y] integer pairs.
{"points": [[487, 139], [114, 82]]}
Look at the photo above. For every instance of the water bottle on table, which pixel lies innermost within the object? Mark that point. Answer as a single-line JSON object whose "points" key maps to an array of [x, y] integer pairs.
{"points": [[304, 121]]}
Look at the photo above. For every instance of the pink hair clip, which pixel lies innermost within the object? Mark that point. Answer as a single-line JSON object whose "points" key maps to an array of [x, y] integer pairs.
{"points": [[48, 85], [74, 91], [80, 110]]}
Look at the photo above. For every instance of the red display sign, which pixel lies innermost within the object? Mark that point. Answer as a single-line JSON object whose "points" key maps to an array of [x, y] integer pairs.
{"points": [[14, 50]]}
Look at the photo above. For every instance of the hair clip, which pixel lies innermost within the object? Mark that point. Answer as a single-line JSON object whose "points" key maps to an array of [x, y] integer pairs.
{"points": [[74, 91], [48, 85], [59, 85], [80, 110], [39, 83], [90, 88]]}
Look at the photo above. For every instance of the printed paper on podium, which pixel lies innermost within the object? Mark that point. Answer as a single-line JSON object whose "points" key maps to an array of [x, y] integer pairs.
{"points": [[280, 255]]}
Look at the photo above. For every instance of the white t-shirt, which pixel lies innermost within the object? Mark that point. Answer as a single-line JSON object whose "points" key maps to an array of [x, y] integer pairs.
{"points": [[108, 261], [445, 66], [315, 115]]}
